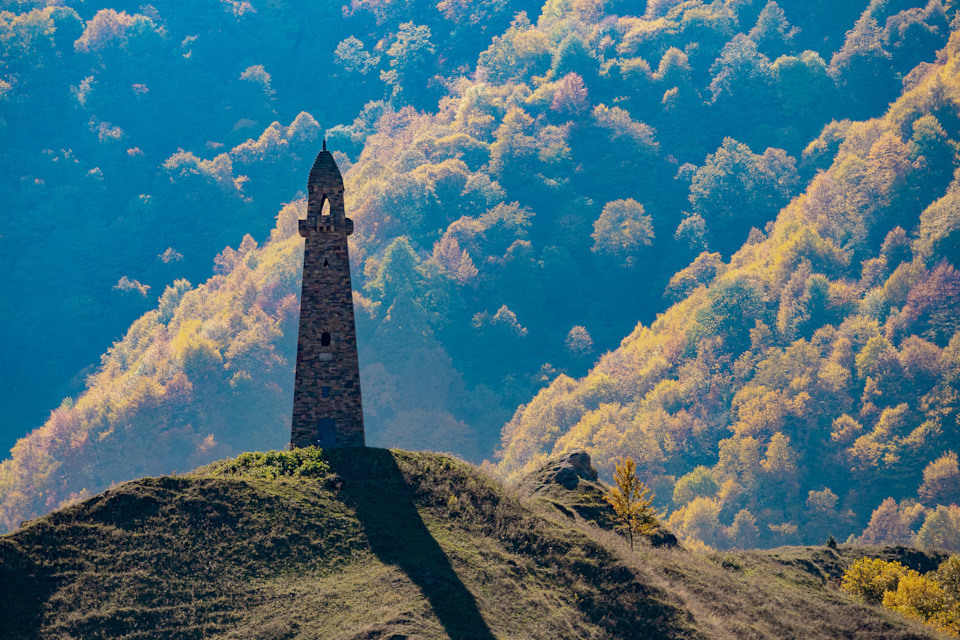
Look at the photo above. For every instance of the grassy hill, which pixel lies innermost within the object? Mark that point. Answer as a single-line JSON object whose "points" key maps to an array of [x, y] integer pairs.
{"points": [[389, 544]]}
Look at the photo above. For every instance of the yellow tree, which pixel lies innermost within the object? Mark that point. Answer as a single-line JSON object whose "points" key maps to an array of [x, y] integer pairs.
{"points": [[870, 578], [628, 497]]}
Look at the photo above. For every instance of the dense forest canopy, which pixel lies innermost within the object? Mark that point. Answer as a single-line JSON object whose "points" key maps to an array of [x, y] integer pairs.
{"points": [[808, 384], [528, 182]]}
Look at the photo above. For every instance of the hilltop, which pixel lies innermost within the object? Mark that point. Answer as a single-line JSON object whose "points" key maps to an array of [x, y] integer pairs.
{"points": [[371, 543]]}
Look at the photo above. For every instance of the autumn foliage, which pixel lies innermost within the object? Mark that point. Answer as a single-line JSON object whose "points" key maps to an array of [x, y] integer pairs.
{"points": [[527, 181], [629, 498], [932, 598], [807, 384]]}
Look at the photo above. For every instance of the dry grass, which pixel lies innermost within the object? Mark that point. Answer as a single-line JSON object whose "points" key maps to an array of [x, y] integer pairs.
{"points": [[411, 545]]}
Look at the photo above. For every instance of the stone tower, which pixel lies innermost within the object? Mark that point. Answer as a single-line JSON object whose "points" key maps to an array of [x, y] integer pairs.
{"points": [[327, 410]]}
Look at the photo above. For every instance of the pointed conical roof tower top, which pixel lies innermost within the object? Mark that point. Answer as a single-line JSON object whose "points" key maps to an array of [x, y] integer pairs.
{"points": [[325, 172]]}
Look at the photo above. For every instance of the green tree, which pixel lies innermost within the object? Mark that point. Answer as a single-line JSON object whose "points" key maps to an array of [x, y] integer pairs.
{"points": [[780, 471], [674, 68], [701, 271], [519, 51], [692, 232], [572, 56], [773, 32], [735, 184], [862, 65], [579, 343], [701, 521], [948, 575], [398, 273], [740, 70], [353, 57], [941, 529], [628, 497], [411, 46], [622, 230], [941, 481], [802, 84], [698, 483], [739, 459], [410, 54], [744, 533], [733, 306], [937, 154]]}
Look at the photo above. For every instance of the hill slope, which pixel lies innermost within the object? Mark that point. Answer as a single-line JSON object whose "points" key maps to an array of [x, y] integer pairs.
{"points": [[387, 544]]}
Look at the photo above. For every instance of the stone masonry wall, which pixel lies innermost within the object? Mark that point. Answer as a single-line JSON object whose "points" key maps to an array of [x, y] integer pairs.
{"points": [[327, 408]]}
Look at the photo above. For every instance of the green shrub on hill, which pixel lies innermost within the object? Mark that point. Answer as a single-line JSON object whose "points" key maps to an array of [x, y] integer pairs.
{"points": [[306, 462]]}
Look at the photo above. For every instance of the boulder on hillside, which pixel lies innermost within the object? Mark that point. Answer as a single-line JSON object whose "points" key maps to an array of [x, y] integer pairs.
{"points": [[570, 484], [567, 471]]}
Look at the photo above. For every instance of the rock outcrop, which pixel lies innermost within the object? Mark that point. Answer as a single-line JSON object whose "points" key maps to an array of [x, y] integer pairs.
{"points": [[570, 484]]}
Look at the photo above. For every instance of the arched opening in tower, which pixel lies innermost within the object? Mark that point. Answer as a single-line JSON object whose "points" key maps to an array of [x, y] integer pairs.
{"points": [[325, 339]]}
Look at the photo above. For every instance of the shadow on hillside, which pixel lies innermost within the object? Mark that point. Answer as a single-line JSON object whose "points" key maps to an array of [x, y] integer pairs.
{"points": [[24, 587], [375, 487]]}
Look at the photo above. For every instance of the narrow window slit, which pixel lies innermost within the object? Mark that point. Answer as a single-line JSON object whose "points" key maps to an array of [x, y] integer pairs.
{"points": [[324, 339]]}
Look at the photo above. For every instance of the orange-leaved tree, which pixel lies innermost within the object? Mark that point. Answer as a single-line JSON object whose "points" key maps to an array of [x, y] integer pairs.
{"points": [[628, 497]]}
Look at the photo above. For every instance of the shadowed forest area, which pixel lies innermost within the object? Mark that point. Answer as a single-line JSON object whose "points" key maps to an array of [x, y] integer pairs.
{"points": [[758, 195]]}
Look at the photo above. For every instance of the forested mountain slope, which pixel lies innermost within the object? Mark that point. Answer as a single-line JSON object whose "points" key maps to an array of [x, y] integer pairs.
{"points": [[367, 543], [813, 377], [525, 181], [104, 110]]}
